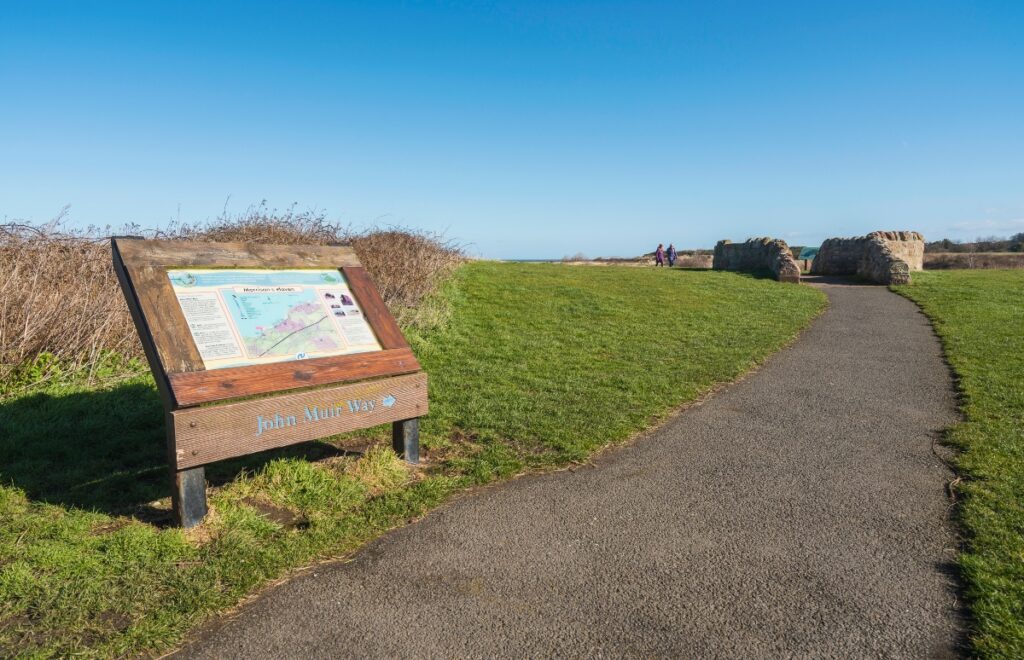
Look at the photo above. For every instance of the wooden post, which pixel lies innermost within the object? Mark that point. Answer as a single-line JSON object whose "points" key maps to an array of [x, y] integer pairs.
{"points": [[189, 496], [188, 485], [405, 439]]}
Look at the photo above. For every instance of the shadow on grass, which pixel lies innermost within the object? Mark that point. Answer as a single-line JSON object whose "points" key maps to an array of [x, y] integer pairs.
{"points": [[836, 280], [106, 451]]}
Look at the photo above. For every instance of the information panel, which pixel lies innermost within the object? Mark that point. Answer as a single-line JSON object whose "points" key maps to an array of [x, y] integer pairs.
{"points": [[249, 316]]}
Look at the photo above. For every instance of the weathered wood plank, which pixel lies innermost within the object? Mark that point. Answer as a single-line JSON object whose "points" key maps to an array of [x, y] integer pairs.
{"points": [[142, 327], [190, 254], [376, 312], [167, 324], [205, 435], [198, 387]]}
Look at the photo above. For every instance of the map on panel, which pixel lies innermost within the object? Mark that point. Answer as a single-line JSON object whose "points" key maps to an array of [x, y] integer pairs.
{"points": [[247, 316]]}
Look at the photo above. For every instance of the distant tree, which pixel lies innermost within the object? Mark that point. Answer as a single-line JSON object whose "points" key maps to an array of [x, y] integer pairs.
{"points": [[1017, 242], [1014, 243], [982, 244], [945, 245]]}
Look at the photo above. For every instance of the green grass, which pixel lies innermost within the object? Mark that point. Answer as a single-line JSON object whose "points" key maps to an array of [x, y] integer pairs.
{"points": [[540, 365], [979, 316]]}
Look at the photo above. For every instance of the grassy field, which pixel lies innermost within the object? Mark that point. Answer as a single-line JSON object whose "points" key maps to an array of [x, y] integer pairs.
{"points": [[980, 317], [540, 365]]}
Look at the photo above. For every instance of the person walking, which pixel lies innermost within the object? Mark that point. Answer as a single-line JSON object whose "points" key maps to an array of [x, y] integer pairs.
{"points": [[659, 255], [671, 255]]}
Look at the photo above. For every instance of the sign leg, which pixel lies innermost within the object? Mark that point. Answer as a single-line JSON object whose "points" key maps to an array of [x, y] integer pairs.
{"points": [[405, 439], [189, 496]]}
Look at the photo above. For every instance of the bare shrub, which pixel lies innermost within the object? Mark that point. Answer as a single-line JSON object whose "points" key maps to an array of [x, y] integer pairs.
{"points": [[262, 225], [59, 294], [407, 266]]}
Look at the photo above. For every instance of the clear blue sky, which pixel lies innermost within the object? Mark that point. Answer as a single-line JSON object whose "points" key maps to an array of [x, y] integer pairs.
{"points": [[526, 129]]}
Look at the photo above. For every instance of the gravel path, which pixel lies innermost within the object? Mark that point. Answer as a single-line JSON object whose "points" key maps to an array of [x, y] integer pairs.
{"points": [[800, 512]]}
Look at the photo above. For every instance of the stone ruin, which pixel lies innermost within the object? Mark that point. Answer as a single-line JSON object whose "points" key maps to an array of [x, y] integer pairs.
{"points": [[758, 254], [883, 257]]}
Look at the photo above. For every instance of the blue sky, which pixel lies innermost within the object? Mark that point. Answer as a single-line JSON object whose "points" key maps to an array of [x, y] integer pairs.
{"points": [[527, 130]]}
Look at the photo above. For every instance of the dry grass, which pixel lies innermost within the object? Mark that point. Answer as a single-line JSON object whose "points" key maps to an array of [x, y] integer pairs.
{"points": [[694, 261], [407, 266], [59, 295], [958, 260]]}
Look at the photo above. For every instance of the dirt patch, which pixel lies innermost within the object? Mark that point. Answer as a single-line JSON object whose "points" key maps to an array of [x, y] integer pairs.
{"points": [[108, 527], [114, 620], [459, 445], [277, 514], [21, 639]]}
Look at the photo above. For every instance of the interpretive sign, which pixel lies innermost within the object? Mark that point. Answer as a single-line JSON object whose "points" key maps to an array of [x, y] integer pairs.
{"points": [[244, 317], [301, 325]]}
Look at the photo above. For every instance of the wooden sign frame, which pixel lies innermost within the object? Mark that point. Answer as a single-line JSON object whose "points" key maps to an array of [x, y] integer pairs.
{"points": [[284, 402]]}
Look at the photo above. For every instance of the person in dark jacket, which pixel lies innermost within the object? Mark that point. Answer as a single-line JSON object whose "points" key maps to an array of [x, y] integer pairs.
{"points": [[671, 255]]}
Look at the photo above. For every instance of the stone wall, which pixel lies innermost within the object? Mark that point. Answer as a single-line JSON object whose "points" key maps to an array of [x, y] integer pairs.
{"points": [[839, 256], [757, 254], [880, 264], [885, 257], [907, 246]]}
